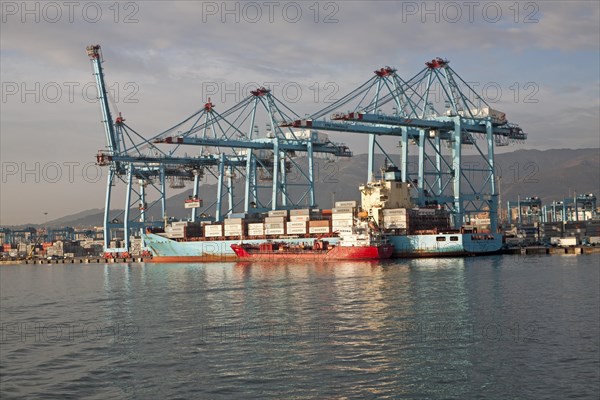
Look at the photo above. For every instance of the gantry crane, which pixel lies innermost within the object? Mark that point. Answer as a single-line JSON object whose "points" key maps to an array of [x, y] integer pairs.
{"points": [[417, 118], [131, 157], [133, 160]]}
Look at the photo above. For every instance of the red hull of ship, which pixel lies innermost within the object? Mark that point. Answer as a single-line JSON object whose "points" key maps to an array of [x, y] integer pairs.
{"points": [[192, 259], [335, 254]]}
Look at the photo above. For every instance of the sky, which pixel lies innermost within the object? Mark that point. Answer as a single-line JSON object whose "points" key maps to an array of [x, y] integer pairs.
{"points": [[538, 61]]}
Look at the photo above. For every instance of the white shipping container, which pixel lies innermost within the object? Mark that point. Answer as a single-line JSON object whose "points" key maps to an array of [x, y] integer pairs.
{"points": [[297, 231], [276, 220], [234, 228], [342, 216], [340, 223], [307, 134], [342, 230], [318, 229], [236, 234], [212, 234], [497, 116], [425, 211], [274, 231], [395, 225], [568, 241], [341, 204], [234, 221], [175, 235], [256, 226], [594, 240], [213, 230], [179, 223], [394, 211], [299, 218], [396, 216], [293, 224], [394, 221], [278, 213], [274, 226], [252, 233], [342, 210], [305, 211]]}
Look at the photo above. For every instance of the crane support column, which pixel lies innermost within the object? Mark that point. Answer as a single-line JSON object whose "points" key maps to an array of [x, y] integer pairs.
{"points": [[195, 193], [456, 167], [253, 181], [421, 177], [283, 183], [126, 227], [220, 187], [311, 173], [371, 159], [493, 204], [275, 174], [163, 192], [142, 201], [404, 154], [109, 185], [249, 174], [438, 165], [230, 189]]}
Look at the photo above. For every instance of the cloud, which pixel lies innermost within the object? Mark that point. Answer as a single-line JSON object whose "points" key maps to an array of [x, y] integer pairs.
{"points": [[170, 51]]}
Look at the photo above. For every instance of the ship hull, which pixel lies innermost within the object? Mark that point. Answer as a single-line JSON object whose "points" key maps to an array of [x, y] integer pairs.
{"points": [[337, 253], [445, 245], [410, 246], [170, 251]]}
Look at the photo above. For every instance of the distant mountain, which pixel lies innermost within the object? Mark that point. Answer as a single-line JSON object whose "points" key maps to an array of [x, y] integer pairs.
{"points": [[550, 174]]}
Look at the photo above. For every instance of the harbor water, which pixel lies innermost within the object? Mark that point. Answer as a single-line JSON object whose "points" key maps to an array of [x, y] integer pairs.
{"points": [[497, 327]]}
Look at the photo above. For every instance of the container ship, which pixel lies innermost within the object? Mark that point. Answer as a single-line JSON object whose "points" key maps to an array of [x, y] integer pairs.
{"points": [[210, 241], [386, 222]]}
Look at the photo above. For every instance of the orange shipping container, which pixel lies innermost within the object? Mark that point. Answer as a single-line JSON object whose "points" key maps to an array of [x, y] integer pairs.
{"points": [[321, 223]]}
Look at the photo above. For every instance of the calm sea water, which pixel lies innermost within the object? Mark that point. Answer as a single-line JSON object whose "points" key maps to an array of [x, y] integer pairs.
{"points": [[485, 327]]}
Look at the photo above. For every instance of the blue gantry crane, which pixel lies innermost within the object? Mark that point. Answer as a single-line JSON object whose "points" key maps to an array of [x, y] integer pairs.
{"points": [[437, 111], [226, 147], [133, 160]]}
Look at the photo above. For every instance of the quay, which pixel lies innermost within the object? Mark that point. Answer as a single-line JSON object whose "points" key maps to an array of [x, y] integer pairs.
{"points": [[532, 250], [78, 260]]}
